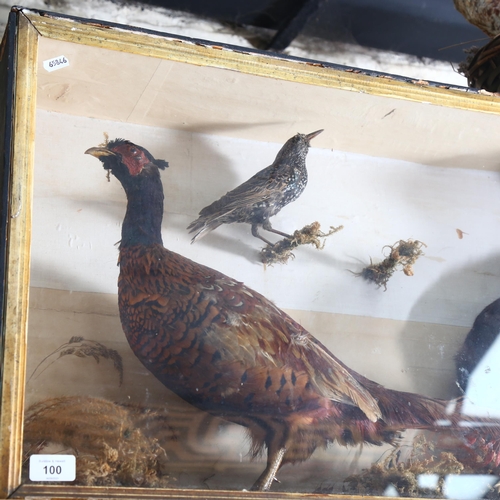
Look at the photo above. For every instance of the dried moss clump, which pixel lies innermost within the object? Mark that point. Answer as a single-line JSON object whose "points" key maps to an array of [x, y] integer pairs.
{"points": [[110, 446], [404, 475], [379, 273], [281, 251], [472, 451], [403, 256]]}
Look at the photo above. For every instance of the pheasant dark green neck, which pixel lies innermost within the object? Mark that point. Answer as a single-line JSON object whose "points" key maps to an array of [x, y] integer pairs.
{"points": [[142, 223]]}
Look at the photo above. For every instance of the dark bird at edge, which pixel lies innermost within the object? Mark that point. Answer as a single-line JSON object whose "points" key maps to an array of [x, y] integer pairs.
{"points": [[229, 351], [263, 195], [480, 338]]}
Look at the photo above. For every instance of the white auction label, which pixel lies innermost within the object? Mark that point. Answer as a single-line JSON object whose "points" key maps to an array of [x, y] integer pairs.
{"points": [[56, 63], [52, 468]]}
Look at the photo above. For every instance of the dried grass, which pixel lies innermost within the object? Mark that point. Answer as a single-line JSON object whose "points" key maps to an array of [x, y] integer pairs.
{"points": [[81, 347], [426, 457]]}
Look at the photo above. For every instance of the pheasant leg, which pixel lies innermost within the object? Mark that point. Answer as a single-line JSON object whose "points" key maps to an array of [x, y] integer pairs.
{"points": [[266, 479]]}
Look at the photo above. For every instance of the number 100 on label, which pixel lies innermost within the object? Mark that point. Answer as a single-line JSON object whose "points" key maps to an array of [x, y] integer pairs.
{"points": [[52, 468]]}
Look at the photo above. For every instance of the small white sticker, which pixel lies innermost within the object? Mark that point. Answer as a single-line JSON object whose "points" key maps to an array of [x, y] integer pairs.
{"points": [[52, 468], [55, 63]]}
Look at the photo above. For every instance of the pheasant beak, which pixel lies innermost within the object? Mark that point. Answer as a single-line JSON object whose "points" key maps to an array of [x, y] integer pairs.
{"points": [[99, 152], [312, 135]]}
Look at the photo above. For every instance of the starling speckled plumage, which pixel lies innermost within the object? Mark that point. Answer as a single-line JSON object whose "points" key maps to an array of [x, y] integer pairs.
{"points": [[263, 195]]}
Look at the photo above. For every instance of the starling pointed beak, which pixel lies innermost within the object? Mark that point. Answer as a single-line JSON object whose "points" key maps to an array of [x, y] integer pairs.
{"points": [[312, 135], [98, 152]]}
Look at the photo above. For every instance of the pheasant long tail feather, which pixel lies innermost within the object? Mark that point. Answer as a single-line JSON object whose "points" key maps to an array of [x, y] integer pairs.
{"points": [[410, 410]]}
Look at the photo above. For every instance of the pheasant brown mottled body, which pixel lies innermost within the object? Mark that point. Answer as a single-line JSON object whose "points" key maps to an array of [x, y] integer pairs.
{"points": [[228, 350], [184, 319]]}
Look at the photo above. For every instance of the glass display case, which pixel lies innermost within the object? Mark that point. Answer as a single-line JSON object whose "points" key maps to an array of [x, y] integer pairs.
{"points": [[180, 381]]}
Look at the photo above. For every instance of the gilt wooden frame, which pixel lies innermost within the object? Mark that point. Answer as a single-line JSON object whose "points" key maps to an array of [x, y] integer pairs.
{"points": [[19, 74]]}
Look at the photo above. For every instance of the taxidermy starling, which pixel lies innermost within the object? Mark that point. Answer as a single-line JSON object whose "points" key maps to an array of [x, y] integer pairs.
{"points": [[263, 195], [229, 351]]}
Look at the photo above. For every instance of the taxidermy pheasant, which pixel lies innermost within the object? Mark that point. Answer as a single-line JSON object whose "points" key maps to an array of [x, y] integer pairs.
{"points": [[229, 351], [263, 195]]}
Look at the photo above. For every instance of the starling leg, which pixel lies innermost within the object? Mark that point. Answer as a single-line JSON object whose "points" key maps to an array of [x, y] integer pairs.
{"points": [[266, 479], [267, 226], [255, 232]]}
